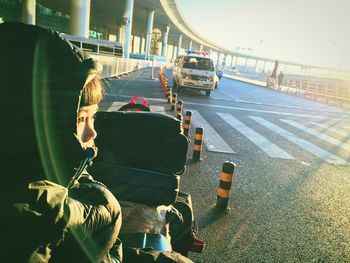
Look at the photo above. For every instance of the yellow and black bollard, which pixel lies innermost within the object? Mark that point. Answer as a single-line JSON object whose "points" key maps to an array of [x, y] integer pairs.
{"points": [[187, 122], [173, 102], [179, 107], [168, 94], [179, 117], [197, 144], [223, 193]]}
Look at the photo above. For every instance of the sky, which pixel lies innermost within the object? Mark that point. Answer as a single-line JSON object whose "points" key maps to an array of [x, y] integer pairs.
{"points": [[315, 32]]}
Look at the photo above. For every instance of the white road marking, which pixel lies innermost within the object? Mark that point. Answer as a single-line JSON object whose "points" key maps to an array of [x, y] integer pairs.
{"points": [[332, 129], [323, 154], [211, 138], [157, 108], [229, 95], [322, 136], [346, 115], [264, 144]]}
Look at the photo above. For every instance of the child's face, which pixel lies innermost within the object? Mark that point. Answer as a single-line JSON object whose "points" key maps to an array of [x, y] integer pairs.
{"points": [[85, 125]]}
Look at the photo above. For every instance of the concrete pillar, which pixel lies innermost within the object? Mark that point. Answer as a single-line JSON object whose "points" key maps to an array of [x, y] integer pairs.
{"points": [[218, 59], [141, 45], [264, 67], [132, 43], [224, 60], [190, 45], [80, 18], [236, 62], [119, 34], [210, 52], [256, 65], [179, 44], [165, 40], [127, 25], [150, 18], [174, 52], [28, 12], [231, 61], [200, 47], [169, 51]]}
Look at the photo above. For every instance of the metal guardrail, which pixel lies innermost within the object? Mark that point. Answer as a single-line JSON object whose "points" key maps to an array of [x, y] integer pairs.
{"points": [[328, 91], [109, 55], [113, 66], [96, 45], [331, 91]]}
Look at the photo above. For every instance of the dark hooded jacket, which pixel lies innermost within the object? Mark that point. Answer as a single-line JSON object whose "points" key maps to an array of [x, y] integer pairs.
{"points": [[41, 77]]}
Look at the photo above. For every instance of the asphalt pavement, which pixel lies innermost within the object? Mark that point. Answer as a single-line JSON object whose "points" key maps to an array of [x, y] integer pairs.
{"points": [[290, 196]]}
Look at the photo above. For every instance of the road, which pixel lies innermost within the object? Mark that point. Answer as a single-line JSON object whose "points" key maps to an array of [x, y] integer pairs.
{"points": [[290, 197]]}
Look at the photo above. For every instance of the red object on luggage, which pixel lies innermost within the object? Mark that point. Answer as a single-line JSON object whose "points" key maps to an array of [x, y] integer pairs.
{"points": [[133, 105], [196, 245]]}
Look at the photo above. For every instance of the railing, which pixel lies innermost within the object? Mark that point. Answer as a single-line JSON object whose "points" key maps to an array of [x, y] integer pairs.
{"points": [[328, 90], [113, 66], [109, 54], [96, 45]]}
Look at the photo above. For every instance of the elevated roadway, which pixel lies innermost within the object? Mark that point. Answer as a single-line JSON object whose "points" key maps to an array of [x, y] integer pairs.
{"points": [[131, 23]]}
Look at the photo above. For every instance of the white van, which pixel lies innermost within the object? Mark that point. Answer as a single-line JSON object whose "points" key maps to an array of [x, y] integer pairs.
{"points": [[195, 72]]}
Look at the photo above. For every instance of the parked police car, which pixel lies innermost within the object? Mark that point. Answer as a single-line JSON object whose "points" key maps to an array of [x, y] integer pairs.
{"points": [[195, 71]]}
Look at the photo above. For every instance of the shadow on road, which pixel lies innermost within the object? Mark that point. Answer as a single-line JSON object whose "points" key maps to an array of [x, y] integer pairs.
{"points": [[211, 216]]}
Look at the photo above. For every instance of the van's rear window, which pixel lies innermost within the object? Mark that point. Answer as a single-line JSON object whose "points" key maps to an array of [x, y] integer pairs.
{"points": [[198, 63]]}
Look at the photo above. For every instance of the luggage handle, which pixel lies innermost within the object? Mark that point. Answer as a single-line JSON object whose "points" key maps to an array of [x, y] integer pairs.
{"points": [[133, 100]]}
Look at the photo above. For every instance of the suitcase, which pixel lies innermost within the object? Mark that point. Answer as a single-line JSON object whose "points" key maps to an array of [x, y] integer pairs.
{"points": [[140, 157]]}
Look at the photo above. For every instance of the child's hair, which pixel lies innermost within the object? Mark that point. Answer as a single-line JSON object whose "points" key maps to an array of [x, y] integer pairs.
{"points": [[92, 92]]}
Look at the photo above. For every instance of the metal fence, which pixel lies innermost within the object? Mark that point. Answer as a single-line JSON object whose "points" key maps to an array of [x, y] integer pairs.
{"points": [[114, 66]]}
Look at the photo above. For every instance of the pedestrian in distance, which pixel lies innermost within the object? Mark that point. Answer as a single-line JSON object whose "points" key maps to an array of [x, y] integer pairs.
{"points": [[50, 93], [280, 79]]}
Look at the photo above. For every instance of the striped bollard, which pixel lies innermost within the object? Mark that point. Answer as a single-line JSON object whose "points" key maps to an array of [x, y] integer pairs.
{"points": [[179, 107], [223, 193], [168, 94], [179, 117], [164, 83], [173, 102], [197, 145], [187, 122]]}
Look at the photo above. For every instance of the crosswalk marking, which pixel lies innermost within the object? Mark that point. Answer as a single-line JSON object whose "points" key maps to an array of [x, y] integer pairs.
{"points": [[211, 138], [332, 129], [264, 144], [322, 136], [328, 157], [215, 143], [340, 116]]}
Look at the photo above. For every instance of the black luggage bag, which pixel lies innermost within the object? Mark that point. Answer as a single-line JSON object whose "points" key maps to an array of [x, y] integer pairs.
{"points": [[141, 155]]}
